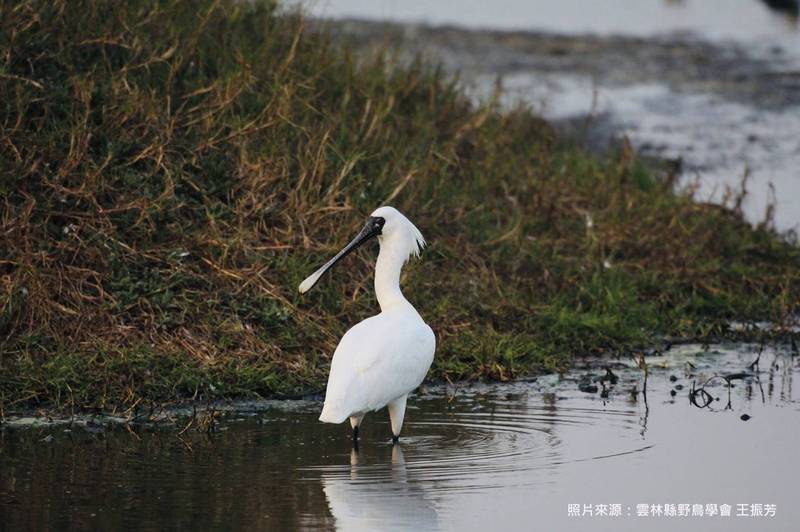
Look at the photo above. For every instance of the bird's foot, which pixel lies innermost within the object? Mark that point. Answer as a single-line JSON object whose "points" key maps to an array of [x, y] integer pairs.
{"points": [[395, 439]]}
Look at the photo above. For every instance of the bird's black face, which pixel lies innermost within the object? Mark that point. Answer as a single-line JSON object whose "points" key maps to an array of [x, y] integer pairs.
{"points": [[373, 228], [375, 223]]}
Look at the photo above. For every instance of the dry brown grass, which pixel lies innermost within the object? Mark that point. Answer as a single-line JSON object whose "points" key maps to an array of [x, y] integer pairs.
{"points": [[170, 171]]}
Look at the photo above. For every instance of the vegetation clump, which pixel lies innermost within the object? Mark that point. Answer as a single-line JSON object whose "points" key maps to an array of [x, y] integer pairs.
{"points": [[171, 170]]}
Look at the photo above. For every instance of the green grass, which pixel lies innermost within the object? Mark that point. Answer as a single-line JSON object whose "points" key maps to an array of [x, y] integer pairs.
{"points": [[170, 171]]}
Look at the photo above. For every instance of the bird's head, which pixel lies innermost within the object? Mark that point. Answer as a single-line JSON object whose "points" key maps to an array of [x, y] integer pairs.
{"points": [[392, 229], [398, 230]]}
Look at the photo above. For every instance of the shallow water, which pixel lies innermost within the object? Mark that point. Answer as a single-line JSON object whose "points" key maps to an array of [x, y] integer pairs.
{"points": [[474, 457]]}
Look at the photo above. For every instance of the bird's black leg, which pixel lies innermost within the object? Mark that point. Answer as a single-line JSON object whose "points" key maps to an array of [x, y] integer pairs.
{"points": [[355, 436], [395, 438]]}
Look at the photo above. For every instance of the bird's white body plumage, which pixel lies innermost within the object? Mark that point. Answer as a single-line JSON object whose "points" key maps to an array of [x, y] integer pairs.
{"points": [[379, 361]]}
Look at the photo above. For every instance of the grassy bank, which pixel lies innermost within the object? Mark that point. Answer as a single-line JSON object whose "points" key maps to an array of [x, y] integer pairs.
{"points": [[170, 171]]}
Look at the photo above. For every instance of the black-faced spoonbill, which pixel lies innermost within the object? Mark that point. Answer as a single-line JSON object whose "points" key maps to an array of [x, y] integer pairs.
{"points": [[381, 360]]}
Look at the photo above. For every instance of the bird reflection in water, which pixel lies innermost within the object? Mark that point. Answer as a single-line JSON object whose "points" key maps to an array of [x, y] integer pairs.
{"points": [[378, 496]]}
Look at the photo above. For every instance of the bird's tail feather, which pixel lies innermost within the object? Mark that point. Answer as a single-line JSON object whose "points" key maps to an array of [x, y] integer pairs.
{"points": [[329, 415]]}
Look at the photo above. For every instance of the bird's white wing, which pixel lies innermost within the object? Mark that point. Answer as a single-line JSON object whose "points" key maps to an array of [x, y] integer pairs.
{"points": [[378, 360]]}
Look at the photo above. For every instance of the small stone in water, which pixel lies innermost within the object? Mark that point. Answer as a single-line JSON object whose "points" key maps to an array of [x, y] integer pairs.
{"points": [[672, 378], [679, 386], [588, 388], [744, 417], [673, 393], [610, 376], [48, 438]]}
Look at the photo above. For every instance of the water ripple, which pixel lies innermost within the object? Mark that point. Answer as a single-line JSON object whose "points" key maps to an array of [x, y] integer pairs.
{"points": [[462, 448]]}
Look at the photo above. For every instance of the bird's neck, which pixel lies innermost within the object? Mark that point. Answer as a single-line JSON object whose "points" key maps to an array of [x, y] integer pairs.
{"points": [[387, 275]]}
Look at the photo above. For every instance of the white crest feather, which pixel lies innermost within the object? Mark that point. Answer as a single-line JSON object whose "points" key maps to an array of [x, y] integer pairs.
{"points": [[419, 241]]}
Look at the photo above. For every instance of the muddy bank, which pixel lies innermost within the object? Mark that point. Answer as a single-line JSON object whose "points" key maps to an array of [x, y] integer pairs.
{"points": [[684, 63], [723, 113]]}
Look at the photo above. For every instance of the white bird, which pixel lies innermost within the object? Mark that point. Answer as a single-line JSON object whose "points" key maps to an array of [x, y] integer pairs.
{"points": [[381, 360]]}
